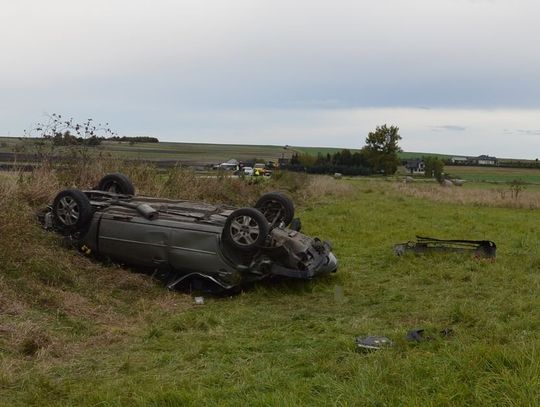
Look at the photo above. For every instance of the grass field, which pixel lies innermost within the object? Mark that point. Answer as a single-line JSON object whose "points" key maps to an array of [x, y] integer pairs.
{"points": [[495, 174], [75, 332]]}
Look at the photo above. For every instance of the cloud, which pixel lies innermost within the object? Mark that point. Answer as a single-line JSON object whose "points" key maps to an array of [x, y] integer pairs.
{"points": [[302, 72], [451, 127], [244, 53], [532, 132]]}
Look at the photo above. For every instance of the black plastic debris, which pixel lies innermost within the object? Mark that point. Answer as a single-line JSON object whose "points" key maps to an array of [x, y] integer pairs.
{"points": [[417, 335], [478, 248], [373, 342]]}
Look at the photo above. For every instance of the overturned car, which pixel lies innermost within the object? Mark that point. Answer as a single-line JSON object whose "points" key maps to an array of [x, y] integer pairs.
{"points": [[193, 244]]}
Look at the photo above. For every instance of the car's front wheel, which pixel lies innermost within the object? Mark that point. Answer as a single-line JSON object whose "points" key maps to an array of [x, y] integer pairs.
{"points": [[71, 209], [246, 229], [276, 207]]}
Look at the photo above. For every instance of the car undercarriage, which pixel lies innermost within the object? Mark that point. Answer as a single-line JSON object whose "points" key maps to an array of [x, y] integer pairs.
{"points": [[192, 243]]}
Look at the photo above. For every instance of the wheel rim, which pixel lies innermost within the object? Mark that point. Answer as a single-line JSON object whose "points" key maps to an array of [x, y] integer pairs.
{"points": [[244, 230], [68, 211], [272, 211]]}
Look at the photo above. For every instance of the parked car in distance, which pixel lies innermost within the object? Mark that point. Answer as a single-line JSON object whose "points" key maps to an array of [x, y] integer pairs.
{"points": [[248, 170], [261, 169], [204, 246]]}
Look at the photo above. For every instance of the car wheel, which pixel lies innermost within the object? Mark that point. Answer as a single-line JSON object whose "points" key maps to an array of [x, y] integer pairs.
{"points": [[117, 183], [276, 208], [246, 229], [71, 209]]}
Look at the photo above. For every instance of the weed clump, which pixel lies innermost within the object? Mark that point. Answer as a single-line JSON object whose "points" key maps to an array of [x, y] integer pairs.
{"points": [[32, 344]]}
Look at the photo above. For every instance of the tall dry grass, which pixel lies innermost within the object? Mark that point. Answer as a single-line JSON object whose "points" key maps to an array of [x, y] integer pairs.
{"points": [[40, 281], [39, 187], [325, 186], [502, 197], [8, 188]]}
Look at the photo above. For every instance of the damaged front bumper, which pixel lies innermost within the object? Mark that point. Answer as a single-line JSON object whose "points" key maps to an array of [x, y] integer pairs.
{"points": [[306, 257], [326, 264]]}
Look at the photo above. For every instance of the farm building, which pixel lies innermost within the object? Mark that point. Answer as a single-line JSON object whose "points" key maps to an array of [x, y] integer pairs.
{"points": [[415, 166], [485, 160], [460, 160], [480, 160]]}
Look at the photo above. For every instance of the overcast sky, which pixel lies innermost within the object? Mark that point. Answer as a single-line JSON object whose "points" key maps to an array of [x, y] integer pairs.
{"points": [[456, 76]]}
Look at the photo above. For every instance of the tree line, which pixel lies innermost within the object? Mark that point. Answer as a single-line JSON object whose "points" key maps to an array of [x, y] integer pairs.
{"points": [[379, 155], [66, 138]]}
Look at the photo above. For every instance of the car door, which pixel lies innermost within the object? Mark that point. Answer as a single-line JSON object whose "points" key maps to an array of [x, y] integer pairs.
{"points": [[134, 240], [195, 248]]}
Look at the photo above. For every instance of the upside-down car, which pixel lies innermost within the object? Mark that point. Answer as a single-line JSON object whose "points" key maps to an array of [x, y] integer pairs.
{"points": [[209, 247]]}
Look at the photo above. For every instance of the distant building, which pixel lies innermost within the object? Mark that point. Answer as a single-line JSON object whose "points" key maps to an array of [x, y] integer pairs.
{"points": [[460, 160], [416, 166], [485, 160], [480, 160]]}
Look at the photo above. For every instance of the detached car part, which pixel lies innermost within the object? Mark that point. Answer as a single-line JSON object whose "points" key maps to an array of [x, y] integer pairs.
{"points": [[190, 242], [479, 248], [367, 343]]}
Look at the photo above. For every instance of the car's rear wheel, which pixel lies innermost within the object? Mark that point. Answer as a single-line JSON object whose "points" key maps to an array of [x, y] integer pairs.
{"points": [[246, 229], [276, 208], [117, 183], [71, 209]]}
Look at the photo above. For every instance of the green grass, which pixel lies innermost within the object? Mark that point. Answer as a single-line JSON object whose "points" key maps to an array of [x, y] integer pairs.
{"points": [[495, 174], [290, 343]]}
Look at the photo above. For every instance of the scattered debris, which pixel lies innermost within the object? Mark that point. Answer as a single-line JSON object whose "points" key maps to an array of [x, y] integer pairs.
{"points": [[480, 248], [199, 300], [373, 342], [417, 335]]}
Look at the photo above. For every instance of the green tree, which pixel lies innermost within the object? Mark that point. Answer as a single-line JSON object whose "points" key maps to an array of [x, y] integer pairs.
{"points": [[307, 160], [381, 149], [434, 168]]}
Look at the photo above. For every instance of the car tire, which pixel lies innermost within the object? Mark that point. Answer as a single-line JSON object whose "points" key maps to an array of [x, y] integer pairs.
{"points": [[71, 210], [117, 183], [246, 229], [276, 208]]}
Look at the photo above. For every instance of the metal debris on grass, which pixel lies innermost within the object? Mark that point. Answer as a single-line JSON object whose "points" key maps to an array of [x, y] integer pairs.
{"points": [[479, 248], [366, 343]]}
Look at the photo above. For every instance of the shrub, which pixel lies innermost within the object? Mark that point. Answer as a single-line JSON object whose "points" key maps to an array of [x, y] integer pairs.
{"points": [[516, 186]]}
